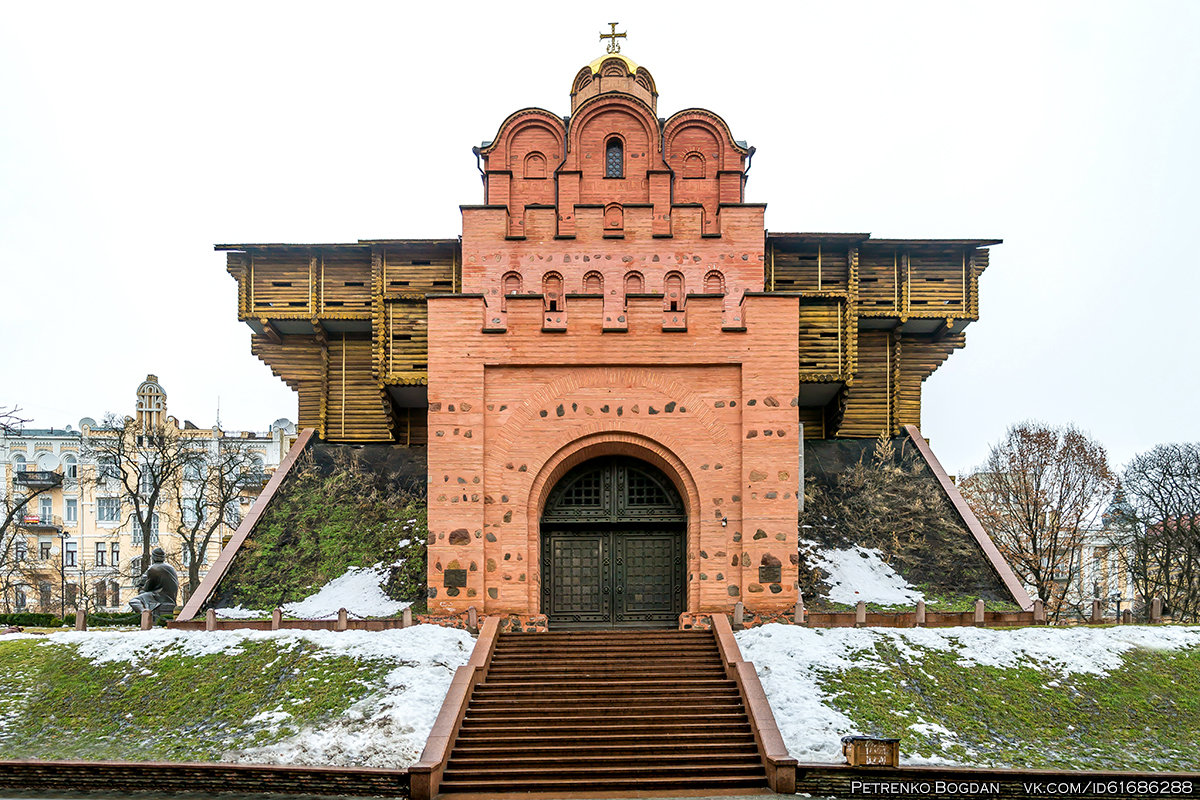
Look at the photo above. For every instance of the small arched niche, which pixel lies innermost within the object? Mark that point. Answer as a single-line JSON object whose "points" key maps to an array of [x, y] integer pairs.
{"points": [[634, 283], [714, 282], [593, 283], [693, 166], [552, 291], [511, 283], [673, 291], [614, 217], [535, 166]]}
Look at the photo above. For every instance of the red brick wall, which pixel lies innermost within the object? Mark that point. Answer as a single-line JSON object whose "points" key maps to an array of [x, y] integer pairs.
{"points": [[511, 412]]}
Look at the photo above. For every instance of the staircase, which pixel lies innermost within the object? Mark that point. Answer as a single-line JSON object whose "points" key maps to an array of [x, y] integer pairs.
{"points": [[602, 711]]}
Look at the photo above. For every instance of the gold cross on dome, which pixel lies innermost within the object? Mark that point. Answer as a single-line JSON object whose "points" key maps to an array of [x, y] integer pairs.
{"points": [[613, 45]]}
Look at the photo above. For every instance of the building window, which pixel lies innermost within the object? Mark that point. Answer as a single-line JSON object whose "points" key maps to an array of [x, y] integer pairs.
{"points": [[108, 509], [22, 550], [72, 594], [46, 513], [70, 554], [114, 592], [19, 599], [115, 551], [70, 467], [186, 553], [136, 532], [233, 514], [101, 554], [99, 589], [614, 159], [71, 510], [109, 471], [44, 551], [193, 512], [18, 462], [45, 594], [135, 565], [146, 481]]}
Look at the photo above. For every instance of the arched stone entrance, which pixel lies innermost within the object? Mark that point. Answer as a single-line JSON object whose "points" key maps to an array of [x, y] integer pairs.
{"points": [[613, 551]]}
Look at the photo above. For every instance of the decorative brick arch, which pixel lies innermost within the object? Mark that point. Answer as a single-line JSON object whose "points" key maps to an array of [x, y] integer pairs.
{"points": [[614, 442]]}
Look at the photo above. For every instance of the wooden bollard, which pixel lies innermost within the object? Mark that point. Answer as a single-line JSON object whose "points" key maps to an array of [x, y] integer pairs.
{"points": [[473, 619], [1156, 611], [147, 620], [920, 613], [1039, 612], [210, 620], [276, 619], [979, 612], [406, 618], [860, 614], [739, 615], [80, 619], [343, 620], [1097, 612], [799, 615]]}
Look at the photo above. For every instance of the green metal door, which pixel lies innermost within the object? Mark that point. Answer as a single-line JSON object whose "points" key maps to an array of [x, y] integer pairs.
{"points": [[613, 547]]}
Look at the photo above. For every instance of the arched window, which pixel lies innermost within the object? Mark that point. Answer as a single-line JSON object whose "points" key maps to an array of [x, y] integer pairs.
{"points": [[714, 283], [593, 283], [535, 165], [693, 165], [512, 283], [70, 466], [552, 291], [673, 291], [614, 158], [634, 284]]}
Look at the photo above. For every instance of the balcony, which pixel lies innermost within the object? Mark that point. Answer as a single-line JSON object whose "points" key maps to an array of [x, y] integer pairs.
{"points": [[37, 478], [41, 522]]}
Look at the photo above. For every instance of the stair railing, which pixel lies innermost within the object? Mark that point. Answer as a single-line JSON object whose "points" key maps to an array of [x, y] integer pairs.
{"points": [[426, 775], [780, 766]]}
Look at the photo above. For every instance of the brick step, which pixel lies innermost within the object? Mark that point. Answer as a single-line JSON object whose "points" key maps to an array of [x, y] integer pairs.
{"points": [[613, 726], [493, 788], [674, 659], [631, 668], [603, 711], [562, 710], [617, 634], [602, 746], [528, 761], [605, 693], [508, 736], [604, 647], [661, 684], [661, 722], [637, 769]]}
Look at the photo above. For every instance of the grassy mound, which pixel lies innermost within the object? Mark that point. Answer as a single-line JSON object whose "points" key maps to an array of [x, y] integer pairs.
{"points": [[341, 508], [58, 704]]}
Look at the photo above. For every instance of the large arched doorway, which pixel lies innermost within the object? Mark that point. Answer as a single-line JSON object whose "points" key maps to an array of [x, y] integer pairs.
{"points": [[613, 550]]}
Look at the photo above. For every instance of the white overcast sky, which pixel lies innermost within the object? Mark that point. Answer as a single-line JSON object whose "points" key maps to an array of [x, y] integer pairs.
{"points": [[134, 136]]}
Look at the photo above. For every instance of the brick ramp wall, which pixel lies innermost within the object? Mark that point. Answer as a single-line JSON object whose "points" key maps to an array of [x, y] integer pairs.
{"points": [[117, 777]]}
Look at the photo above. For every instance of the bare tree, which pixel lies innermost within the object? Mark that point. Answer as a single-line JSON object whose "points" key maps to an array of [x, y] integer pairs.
{"points": [[1157, 522], [143, 464], [207, 496], [1040, 490], [9, 421]]}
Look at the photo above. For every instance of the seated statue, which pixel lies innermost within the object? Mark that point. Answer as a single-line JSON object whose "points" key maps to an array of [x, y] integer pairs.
{"points": [[158, 587]]}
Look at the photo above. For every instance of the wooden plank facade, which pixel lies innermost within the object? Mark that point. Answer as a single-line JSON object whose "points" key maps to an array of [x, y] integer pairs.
{"points": [[346, 325]]}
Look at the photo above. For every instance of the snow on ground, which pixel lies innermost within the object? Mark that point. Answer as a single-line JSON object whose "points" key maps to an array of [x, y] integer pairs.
{"points": [[792, 660], [860, 573], [385, 729], [359, 591]]}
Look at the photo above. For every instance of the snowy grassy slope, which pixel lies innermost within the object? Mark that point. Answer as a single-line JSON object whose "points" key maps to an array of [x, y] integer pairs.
{"points": [[303, 697], [1099, 698]]}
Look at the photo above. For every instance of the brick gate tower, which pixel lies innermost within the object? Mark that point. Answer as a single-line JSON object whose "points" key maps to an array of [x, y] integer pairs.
{"points": [[613, 374], [613, 354]]}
